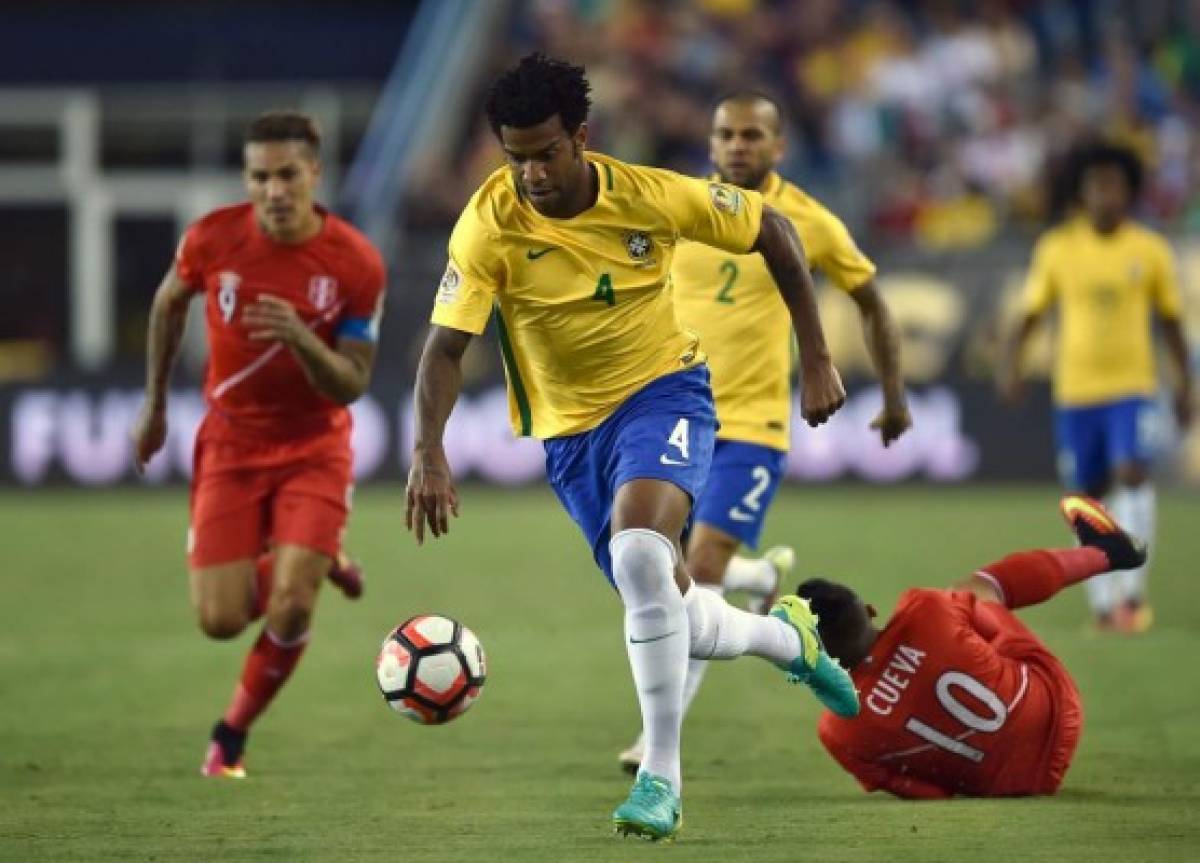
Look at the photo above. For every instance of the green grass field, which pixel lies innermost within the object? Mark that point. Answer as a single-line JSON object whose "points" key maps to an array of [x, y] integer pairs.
{"points": [[109, 690]]}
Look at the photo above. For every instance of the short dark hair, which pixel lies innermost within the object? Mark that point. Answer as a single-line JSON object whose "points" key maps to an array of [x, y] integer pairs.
{"points": [[833, 604], [536, 89], [749, 94], [276, 126], [1104, 154]]}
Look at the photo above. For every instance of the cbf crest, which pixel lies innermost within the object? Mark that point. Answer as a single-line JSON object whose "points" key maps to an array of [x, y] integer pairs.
{"points": [[639, 245], [322, 291]]}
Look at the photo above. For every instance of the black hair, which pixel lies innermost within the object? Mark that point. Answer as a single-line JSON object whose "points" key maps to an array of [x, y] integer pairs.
{"points": [[536, 89], [751, 94], [1103, 154], [275, 126], [834, 604]]}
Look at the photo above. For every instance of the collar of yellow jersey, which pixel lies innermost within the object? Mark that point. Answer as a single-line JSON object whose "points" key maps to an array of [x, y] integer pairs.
{"points": [[774, 184]]}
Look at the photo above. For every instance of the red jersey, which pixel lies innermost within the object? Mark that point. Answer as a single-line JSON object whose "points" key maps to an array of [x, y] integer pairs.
{"points": [[958, 697], [256, 388]]}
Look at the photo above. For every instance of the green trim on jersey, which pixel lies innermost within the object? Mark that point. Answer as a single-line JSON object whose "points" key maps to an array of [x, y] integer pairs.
{"points": [[608, 176], [514, 376]]}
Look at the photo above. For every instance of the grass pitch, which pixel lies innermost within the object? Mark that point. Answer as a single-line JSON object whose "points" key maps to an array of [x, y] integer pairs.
{"points": [[109, 690]]}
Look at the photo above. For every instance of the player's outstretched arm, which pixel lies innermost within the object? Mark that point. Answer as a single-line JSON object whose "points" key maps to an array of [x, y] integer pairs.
{"points": [[821, 391], [1177, 347], [431, 497], [341, 374], [168, 316], [1008, 364], [883, 342]]}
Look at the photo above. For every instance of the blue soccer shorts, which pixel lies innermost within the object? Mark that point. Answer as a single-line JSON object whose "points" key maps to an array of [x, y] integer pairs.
{"points": [[741, 484], [663, 431], [1093, 440]]}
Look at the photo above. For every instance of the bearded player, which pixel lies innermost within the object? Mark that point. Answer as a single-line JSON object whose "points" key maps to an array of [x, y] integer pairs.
{"points": [[293, 297], [959, 697], [731, 302]]}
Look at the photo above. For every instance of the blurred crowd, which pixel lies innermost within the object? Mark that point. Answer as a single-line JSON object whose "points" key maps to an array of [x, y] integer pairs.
{"points": [[934, 121]]}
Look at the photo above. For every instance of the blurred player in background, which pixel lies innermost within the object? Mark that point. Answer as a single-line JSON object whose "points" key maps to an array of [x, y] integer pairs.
{"points": [[571, 251], [959, 697], [732, 304], [293, 297], [1107, 276]]}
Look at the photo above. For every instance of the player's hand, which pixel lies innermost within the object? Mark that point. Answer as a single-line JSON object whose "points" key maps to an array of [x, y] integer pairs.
{"points": [[149, 433], [893, 421], [821, 393], [431, 498], [1184, 408], [271, 319], [1010, 386]]}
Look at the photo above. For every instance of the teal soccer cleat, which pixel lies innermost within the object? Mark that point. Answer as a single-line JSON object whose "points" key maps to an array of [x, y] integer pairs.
{"points": [[652, 810], [830, 682]]}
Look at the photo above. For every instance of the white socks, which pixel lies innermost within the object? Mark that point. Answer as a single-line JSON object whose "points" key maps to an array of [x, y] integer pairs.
{"points": [[1134, 510], [720, 631], [753, 574], [656, 638]]}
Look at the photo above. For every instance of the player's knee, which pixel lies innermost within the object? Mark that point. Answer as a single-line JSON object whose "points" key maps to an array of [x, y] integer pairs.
{"points": [[290, 610], [643, 565], [1131, 474], [219, 623]]}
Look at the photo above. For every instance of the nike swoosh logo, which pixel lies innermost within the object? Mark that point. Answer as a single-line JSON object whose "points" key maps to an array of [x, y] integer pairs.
{"points": [[671, 461], [534, 254], [737, 515], [633, 640]]}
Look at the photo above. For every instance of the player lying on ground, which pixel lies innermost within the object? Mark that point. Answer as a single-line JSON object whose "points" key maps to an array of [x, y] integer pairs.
{"points": [[570, 250], [732, 303], [959, 697], [292, 297]]}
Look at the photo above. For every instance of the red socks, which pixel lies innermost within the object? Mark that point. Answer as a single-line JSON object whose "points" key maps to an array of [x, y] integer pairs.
{"points": [[267, 668], [1030, 577]]}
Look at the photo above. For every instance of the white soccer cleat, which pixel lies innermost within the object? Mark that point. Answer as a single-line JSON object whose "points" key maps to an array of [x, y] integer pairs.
{"points": [[631, 758], [783, 560]]}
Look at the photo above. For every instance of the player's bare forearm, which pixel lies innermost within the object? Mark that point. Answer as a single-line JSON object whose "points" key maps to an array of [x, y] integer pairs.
{"points": [[431, 497], [1177, 347], [1008, 365], [439, 381], [779, 244], [168, 318], [883, 343], [341, 374]]}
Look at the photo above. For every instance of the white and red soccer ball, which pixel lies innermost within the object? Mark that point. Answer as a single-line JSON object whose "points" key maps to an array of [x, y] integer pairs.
{"points": [[431, 669]]}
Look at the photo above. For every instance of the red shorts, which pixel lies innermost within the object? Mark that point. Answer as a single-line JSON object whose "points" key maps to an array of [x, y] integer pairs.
{"points": [[248, 496]]}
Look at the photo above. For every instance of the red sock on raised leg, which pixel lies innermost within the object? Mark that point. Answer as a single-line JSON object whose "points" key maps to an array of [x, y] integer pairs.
{"points": [[269, 665], [1029, 577]]}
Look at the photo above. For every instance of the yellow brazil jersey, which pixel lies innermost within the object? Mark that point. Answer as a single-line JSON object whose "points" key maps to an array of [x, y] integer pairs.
{"points": [[732, 303], [583, 305], [1106, 288]]}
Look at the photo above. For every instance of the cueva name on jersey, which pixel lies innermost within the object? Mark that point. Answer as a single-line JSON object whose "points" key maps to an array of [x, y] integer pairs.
{"points": [[892, 683]]}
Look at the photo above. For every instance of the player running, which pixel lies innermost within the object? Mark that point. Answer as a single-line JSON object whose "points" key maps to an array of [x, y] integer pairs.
{"points": [[1107, 275], [732, 303], [293, 297], [571, 250], [959, 697]]}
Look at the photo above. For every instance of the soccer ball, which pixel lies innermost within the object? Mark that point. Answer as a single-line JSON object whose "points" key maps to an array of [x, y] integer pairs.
{"points": [[431, 669]]}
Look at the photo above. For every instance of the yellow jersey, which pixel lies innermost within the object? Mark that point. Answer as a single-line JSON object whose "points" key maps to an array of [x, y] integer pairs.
{"points": [[1106, 288], [732, 302], [583, 305]]}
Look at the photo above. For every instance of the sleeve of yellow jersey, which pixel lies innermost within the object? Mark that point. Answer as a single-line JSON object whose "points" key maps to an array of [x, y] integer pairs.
{"points": [[473, 275], [841, 260], [715, 214], [1168, 298], [1040, 289]]}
